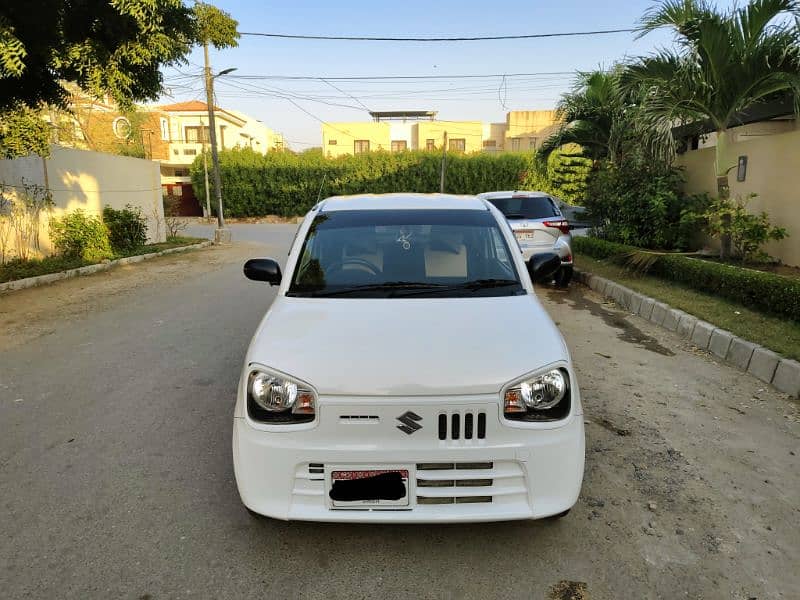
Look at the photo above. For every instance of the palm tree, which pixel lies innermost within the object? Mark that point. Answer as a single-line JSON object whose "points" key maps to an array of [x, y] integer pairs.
{"points": [[600, 115], [589, 113], [724, 63]]}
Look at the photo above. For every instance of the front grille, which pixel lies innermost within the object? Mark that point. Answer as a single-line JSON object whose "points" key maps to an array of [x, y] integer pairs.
{"points": [[454, 483], [496, 485], [467, 425], [316, 471]]}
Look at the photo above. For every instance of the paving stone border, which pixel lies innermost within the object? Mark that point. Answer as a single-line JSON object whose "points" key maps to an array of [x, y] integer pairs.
{"points": [[21, 284], [783, 373]]}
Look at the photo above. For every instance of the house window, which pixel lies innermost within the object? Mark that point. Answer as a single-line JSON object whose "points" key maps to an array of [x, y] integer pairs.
{"points": [[330, 143], [399, 145], [190, 151], [489, 143], [532, 143], [457, 144], [196, 135], [222, 129], [164, 129], [430, 144], [360, 146], [177, 190], [515, 143]]}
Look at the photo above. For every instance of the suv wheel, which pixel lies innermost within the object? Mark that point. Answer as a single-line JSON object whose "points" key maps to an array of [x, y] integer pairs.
{"points": [[564, 276]]}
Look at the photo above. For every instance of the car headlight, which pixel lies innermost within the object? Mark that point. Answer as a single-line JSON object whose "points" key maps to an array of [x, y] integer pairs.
{"points": [[541, 398], [274, 398]]}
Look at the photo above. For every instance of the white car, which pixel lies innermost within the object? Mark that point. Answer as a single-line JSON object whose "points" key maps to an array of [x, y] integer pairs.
{"points": [[539, 225], [406, 372]]}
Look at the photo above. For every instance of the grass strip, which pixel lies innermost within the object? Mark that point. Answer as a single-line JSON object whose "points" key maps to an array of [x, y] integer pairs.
{"points": [[779, 334]]}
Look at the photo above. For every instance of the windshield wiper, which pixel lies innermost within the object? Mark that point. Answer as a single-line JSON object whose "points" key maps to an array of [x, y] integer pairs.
{"points": [[376, 287], [474, 285]]}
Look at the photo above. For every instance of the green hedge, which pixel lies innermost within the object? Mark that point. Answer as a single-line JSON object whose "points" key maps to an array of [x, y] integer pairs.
{"points": [[767, 292], [287, 184]]}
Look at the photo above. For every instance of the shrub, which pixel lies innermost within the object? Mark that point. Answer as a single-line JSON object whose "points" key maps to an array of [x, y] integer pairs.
{"points": [[767, 292], [287, 184], [747, 232], [78, 235], [642, 206], [172, 219], [127, 228]]}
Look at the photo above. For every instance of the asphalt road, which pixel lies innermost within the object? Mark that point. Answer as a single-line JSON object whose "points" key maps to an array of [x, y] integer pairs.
{"points": [[116, 399]]}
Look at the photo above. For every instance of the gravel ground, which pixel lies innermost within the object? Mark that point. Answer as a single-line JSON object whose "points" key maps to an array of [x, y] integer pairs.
{"points": [[116, 394]]}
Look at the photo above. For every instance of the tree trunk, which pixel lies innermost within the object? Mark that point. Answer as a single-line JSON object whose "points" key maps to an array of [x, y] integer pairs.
{"points": [[723, 188]]}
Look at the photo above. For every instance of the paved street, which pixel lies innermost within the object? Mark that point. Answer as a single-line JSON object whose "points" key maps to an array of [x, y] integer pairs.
{"points": [[116, 400]]}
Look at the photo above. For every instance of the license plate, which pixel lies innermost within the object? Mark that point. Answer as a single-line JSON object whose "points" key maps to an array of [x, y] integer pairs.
{"points": [[366, 488], [525, 235]]}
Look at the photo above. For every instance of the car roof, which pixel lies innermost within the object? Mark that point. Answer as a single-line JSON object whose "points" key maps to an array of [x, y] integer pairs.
{"points": [[515, 193], [406, 201]]}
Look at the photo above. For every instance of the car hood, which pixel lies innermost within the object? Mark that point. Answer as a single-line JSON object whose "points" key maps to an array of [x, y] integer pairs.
{"points": [[399, 347]]}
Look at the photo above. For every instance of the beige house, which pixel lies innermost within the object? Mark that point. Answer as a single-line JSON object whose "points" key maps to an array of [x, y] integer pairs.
{"points": [[396, 131], [183, 133]]}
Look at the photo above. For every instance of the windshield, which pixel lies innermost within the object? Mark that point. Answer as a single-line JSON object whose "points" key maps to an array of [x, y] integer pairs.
{"points": [[541, 207], [405, 253]]}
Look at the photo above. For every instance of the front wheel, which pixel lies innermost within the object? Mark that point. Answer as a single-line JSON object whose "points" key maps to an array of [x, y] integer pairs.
{"points": [[564, 276]]}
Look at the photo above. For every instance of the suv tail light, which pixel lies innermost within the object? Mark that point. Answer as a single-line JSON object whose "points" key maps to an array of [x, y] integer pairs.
{"points": [[562, 225]]}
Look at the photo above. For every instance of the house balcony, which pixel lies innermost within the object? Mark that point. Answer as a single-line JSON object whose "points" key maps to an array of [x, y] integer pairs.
{"points": [[183, 153], [173, 179]]}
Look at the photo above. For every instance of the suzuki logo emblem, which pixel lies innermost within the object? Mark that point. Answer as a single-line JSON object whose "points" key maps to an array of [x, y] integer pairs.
{"points": [[409, 422]]}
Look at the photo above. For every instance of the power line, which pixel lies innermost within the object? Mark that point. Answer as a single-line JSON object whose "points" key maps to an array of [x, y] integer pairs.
{"points": [[399, 77], [346, 93], [437, 39]]}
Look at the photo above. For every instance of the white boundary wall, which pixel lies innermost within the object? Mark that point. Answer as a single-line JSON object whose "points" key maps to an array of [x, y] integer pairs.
{"points": [[80, 179]]}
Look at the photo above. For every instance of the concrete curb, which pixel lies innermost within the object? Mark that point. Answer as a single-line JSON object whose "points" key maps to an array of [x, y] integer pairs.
{"points": [[766, 365], [29, 282]]}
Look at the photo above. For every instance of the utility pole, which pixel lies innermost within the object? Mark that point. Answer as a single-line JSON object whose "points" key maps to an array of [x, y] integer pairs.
{"points": [[444, 163], [221, 235], [205, 176], [208, 191]]}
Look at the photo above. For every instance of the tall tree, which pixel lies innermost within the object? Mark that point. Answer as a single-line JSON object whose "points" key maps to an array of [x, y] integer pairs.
{"points": [[590, 115], [724, 62], [601, 116], [107, 47]]}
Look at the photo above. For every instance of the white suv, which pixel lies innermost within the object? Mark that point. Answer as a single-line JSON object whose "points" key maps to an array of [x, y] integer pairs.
{"points": [[539, 226], [406, 372]]}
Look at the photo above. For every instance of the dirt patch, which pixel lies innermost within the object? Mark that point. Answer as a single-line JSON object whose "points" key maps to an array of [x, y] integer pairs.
{"points": [[569, 590], [33, 312], [575, 298]]}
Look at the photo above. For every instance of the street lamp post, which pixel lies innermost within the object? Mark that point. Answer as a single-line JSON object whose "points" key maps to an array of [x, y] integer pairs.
{"points": [[222, 235]]}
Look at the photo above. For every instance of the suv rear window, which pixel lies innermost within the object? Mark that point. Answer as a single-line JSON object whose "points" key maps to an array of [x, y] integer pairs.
{"points": [[540, 207]]}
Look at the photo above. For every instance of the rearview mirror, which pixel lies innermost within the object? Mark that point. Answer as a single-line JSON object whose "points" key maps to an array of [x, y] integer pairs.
{"points": [[263, 269], [543, 266]]}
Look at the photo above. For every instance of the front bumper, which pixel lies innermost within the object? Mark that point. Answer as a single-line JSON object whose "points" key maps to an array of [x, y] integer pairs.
{"points": [[516, 471]]}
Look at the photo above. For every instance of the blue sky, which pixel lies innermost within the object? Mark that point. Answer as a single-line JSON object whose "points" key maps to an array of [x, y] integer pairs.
{"points": [[467, 99]]}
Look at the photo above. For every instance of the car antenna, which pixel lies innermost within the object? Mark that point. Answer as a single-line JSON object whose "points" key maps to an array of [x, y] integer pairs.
{"points": [[319, 194]]}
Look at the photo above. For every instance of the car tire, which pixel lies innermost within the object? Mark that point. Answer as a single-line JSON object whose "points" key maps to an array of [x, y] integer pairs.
{"points": [[257, 516], [560, 515], [564, 276]]}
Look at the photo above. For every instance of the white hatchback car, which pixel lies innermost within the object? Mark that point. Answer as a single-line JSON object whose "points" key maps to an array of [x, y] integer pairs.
{"points": [[406, 372]]}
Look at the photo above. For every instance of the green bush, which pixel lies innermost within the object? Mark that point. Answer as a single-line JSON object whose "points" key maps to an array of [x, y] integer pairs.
{"points": [[767, 292], [127, 228], [21, 268], [78, 235], [287, 184], [747, 232], [640, 206]]}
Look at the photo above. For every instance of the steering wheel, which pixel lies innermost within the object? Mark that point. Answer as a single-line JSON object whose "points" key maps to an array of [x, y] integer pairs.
{"points": [[361, 262]]}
